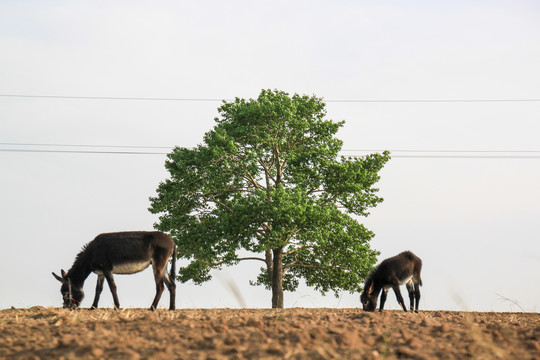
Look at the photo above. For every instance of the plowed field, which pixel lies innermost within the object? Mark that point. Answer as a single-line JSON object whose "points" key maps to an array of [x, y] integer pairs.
{"points": [[50, 333]]}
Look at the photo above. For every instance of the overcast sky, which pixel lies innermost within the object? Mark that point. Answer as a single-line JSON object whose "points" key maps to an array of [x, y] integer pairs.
{"points": [[473, 217]]}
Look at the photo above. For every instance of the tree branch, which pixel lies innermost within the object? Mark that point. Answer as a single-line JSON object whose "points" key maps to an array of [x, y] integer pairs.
{"points": [[298, 249], [213, 198], [252, 181], [328, 201], [239, 259], [310, 266], [267, 173], [252, 258]]}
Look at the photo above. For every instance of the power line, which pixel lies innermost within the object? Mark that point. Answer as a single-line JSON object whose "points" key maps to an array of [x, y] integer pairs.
{"points": [[164, 153], [83, 152], [343, 150], [109, 98], [468, 156], [449, 151], [432, 100], [459, 154], [219, 100], [424, 154], [88, 146]]}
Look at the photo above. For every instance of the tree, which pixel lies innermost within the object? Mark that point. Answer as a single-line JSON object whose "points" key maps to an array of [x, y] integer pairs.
{"points": [[268, 179]]}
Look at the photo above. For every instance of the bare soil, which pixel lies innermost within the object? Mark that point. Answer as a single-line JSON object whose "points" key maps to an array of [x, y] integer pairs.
{"points": [[50, 333]]}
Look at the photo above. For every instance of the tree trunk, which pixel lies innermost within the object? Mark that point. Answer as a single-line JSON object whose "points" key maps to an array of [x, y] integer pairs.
{"points": [[277, 279], [269, 266]]}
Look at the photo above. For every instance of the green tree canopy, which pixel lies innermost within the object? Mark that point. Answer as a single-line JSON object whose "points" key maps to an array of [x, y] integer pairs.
{"points": [[269, 179]]}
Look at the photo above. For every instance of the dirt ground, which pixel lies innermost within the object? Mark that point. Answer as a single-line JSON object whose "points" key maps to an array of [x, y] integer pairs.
{"points": [[50, 333]]}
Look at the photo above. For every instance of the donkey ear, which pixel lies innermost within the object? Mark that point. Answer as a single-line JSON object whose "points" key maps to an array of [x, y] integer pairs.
{"points": [[63, 273], [58, 278], [370, 288]]}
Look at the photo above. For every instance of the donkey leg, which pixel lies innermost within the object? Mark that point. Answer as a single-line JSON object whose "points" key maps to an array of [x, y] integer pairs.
{"points": [[417, 294], [171, 285], [99, 288], [159, 266], [159, 290], [159, 278], [112, 286], [410, 289], [384, 294], [395, 287]]}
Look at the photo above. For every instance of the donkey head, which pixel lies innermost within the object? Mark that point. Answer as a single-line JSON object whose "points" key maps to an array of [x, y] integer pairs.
{"points": [[369, 298], [71, 294]]}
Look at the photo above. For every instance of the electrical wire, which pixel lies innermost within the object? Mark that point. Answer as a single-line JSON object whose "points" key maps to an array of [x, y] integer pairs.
{"points": [[398, 153], [88, 146], [109, 98], [220, 100], [83, 152]]}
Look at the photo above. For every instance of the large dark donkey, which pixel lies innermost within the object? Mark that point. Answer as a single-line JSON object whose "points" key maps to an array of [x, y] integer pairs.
{"points": [[120, 253], [391, 273]]}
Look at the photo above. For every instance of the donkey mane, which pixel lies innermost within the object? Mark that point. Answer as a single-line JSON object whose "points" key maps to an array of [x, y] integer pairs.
{"points": [[371, 275], [80, 258], [78, 269]]}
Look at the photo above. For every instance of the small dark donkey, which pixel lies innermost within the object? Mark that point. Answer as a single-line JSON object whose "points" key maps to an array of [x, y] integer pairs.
{"points": [[120, 253], [391, 273]]}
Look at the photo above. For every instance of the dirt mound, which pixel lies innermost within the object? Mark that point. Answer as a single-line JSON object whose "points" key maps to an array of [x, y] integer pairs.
{"points": [[41, 333]]}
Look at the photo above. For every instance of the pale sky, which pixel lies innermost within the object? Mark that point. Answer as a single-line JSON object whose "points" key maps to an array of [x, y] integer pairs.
{"points": [[472, 217]]}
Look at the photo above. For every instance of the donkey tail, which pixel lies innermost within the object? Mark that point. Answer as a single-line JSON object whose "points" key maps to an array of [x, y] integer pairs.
{"points": [[419, 270], [172, 274], [417, 263]]}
